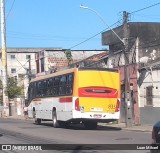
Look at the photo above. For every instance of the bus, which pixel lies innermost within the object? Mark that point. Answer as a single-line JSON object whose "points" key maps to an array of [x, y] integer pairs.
{"points": [[76, 95]]}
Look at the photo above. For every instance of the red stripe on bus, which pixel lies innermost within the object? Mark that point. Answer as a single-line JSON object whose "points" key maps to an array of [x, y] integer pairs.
{"points": [[99, 92], [65, 100]]}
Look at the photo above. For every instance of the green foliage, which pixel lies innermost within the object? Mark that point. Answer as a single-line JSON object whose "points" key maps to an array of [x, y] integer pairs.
{"points": [[13, 89], [69, 56]]}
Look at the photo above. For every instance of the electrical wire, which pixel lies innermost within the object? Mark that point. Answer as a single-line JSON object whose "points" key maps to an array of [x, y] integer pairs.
{"points": [[145, 8], [10, 9], [94, 35]]}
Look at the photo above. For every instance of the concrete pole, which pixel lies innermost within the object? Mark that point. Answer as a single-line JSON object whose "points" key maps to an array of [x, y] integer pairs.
{"points": [[129, 119], [4, 61]]}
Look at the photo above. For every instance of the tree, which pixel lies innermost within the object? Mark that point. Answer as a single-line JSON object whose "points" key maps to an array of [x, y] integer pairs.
{"points": [[13, 89], [69, 56]]}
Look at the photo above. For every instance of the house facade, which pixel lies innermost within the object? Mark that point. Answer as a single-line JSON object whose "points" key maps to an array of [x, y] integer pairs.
{"points": [[142, 54]]}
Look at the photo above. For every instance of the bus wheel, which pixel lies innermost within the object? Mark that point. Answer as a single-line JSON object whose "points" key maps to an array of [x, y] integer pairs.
{"points": [[37, 121], [54, 118], [90, 125]]}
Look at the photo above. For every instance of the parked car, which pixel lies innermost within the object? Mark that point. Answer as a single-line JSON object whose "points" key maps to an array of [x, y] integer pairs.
{"points": [[156, 136]]}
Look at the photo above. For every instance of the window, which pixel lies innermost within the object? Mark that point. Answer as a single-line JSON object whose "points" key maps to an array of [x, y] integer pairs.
{"points": [[42, 64], [149, 95], [13, 57], [41, 88], [69, 84], [62, 87], [13, 70], [56, 82], [37, 66], [28, 56], [44, 88], [50, 87], [56, 86]]}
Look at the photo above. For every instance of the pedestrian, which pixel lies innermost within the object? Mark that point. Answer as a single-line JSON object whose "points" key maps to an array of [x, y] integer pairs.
{"points": [[25, 112]]}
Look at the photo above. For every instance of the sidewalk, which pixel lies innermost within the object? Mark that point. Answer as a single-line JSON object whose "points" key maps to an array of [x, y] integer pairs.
{"points": [[142, 128]]}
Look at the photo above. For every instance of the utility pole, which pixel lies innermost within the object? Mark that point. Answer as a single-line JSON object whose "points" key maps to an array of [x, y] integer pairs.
{"points": [[4, 60], [126, 59], [127, 72], [29, 75]]}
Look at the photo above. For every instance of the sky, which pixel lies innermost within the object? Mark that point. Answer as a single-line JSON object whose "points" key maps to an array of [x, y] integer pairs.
{"points": [[63, 24]]}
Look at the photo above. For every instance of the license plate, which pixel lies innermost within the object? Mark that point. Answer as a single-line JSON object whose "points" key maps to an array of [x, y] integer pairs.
{"points": [[97, 109]]}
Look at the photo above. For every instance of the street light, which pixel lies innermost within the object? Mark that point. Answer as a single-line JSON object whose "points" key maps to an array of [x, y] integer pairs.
{"points": [[126, 68], [85, 7]]}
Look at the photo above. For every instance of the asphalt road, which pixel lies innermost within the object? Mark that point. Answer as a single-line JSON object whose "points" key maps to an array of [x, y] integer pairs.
{"points": [[24, 132]]}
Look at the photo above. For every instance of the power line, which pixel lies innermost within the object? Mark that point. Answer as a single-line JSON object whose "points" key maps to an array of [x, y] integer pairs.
{"points": [[145, 8], [94, 35], [10, 9], [21, 35]]}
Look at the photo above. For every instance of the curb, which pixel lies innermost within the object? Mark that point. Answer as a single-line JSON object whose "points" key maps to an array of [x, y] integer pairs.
{"points": [[16, 118], [142, 128]]}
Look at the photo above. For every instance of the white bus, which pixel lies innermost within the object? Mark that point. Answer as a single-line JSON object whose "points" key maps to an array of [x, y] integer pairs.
{"points": [[77, 95]]}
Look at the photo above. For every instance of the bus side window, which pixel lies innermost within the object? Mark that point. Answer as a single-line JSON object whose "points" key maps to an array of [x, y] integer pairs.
{"points": [[34, 90], [39, 89], [44, 88], [62, 87], [50, 87], [56, 86], [30, 92], [69, 85]]}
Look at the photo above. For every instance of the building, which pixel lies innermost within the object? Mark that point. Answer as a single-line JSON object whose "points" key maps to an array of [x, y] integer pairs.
{"points": [[142, 54], [50, 60], [25, 63]]}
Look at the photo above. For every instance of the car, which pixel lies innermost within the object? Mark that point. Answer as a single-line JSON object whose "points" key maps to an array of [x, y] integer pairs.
{"points": [[156, 137]]}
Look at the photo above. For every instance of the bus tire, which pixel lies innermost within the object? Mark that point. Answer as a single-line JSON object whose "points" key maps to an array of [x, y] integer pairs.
{"points": [[90, 125], [37, 121], [54, 119]]}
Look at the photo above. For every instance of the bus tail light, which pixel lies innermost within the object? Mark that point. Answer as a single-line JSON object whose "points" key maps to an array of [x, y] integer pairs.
{"points": [[77, 104], [118, 106]]}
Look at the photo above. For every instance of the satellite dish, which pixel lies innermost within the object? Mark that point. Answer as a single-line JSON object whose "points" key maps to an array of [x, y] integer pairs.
{"points": [[143, 60]]}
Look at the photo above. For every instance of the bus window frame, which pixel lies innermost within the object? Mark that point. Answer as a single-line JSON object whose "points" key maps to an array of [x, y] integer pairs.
{"points": [[35, 89]]}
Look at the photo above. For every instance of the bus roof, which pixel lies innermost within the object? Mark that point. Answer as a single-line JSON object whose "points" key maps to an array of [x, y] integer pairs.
{"points": [[53, 74], [99, 69], [72, 70]]}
